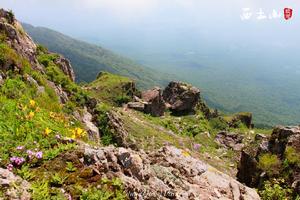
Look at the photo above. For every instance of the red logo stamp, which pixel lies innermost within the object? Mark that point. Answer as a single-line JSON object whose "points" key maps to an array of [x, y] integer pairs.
{"points": [[288, 13]]}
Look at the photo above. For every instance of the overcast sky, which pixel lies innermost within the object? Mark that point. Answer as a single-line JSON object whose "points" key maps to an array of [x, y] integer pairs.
{"points": [[122, 21]]}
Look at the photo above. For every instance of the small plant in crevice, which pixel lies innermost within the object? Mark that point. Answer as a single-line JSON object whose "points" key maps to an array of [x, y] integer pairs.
{"points": [[70, 167]]}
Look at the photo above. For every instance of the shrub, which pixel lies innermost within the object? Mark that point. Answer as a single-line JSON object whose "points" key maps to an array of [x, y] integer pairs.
{"points": [[270, 164], [120, 100], [218, 124], [275, 191], [291, 156]]}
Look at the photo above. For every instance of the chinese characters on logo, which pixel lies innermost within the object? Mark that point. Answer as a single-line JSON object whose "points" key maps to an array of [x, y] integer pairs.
{"points": [[288, 13], [261, 15]]}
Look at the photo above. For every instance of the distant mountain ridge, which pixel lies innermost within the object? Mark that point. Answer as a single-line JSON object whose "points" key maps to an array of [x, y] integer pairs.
{"points": [[88, 59]]}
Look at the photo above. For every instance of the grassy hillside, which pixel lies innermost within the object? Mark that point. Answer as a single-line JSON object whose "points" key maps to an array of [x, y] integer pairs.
{"points": [[88, 60]]}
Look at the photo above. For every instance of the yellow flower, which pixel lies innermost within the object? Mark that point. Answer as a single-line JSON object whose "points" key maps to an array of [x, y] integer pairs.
{"points": [[32, 103], [47, 131], [78, 133], [30, 115], [186, 154]]}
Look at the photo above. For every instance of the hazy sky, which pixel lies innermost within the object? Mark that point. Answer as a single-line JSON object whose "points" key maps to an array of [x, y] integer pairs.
{"points": [[143, 23]]}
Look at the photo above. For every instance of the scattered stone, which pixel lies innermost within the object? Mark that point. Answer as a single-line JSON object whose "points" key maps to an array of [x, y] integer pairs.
{"points": [[230, 140]]}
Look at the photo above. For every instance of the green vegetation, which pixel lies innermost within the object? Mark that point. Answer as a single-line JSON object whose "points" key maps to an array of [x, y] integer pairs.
{"points": [[112, 89], [275, 190], [105, 193], [270, 164], [88, 60], [291, 156], [107, 137], [36, 130]]}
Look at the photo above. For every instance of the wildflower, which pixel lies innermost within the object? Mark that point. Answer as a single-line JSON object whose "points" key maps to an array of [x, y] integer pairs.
{"points": [[30, 154], [197, 147], [32, 103], [47, 131], [78, 133], [20, 147], [39, 155], [30, 115], [18, 161], [10, 167], [58, 137], [186, 154]]}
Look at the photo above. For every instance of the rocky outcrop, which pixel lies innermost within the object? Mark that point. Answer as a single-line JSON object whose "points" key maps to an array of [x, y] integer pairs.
{"points": [[119, 132], [155, 104], [14, 187], [284, 143], [87, 119], [168, 173], [244, 118], [181, 97], [65, 65], [61, 94], [18, 39], [230, 140]]}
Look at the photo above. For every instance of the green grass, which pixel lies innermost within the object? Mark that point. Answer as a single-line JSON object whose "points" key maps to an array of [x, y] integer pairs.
{"points": [[111, 89]]}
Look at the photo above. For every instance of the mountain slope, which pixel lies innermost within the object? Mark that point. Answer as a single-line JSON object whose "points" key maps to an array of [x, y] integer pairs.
{"points": [[54, 137], [88, 60]]}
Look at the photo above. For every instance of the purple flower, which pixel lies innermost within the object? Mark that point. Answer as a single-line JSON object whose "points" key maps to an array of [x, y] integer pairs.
{"points": [[10, 167], [30, 154], [39, 155], [197, 147], [20, 147], [18, 161], [57, 137]]}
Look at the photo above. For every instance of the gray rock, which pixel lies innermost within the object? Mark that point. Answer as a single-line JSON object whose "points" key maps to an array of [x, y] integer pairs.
{"points": [[14, 187]]}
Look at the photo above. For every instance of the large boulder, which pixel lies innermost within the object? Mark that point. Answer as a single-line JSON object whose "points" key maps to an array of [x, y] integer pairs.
{"points": [[168, 173], [154, 103], [181, 97]]}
